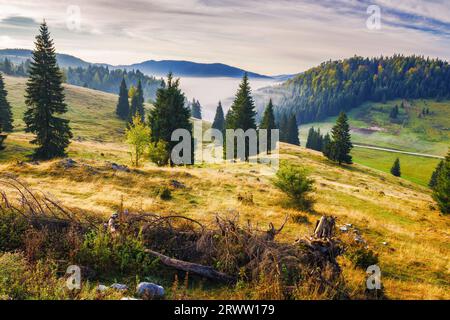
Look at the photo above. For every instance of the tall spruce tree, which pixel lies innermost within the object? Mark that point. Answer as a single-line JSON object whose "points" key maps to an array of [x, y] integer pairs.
{"points": [[196, 109], [268, 123], [219, 119], [395, 170], [341, 144], [137, 103], [123, 105], [283, 126], [168, 114], [6, 118], [242, 112], [441, 191], [45, 98], [292, 131]]}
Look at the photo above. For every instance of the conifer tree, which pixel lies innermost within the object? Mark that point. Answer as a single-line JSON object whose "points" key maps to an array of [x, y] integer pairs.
{"points": [[283, 126], [219, 120], [441, 191], [196, 109], [6, 118], [395, 170], [242, 112], [123, 105], [268, 123], [168, 114], [326, 146], [292, 131], [341, 145], [433, 179], [45, 99]]}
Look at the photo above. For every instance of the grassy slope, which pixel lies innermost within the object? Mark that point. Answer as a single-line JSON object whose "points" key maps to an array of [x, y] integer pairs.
{"points": [[414, 264], [430, 134]]}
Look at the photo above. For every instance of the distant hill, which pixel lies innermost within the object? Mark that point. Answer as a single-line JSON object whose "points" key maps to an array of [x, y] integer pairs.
{"points": [[150, 67], [18, 56], [335, 86], [190, 69]]}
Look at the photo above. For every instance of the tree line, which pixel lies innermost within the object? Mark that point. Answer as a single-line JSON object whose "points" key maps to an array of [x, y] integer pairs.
{"points": [[337, 86]]}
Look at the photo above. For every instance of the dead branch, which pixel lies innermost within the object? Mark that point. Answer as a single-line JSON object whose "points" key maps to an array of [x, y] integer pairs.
{"points": [[193, 268]]}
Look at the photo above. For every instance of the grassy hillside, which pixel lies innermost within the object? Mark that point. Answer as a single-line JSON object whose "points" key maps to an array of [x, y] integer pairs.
{"points": [[397, 218], [372, 126]]}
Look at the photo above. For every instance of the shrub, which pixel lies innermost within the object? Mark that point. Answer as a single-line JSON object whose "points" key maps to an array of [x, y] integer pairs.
{"points": [[299, 219], [121, 254], [158, 153], [12, 229], [361, 257], [164, 193], [294, 182]]}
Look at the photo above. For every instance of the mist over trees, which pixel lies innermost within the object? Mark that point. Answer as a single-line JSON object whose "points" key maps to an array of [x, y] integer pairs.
{"points": [[219, 119], [336, 86], [196, 109]]}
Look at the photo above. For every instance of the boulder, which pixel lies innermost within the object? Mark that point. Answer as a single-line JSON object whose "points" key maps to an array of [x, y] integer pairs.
{"points": [[177, 184], [119, 167], [119, 287], [149, 291]]}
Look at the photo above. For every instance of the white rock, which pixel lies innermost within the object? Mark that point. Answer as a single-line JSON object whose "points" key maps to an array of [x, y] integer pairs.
{"points": [[344, 229], [102, 287]]}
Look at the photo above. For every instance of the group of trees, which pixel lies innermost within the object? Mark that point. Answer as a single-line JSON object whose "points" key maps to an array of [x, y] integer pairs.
{"points": [[337, 86], [196, 109], [103, 79], [316, 140], [288, 126], [20, 70], [126, 110]]}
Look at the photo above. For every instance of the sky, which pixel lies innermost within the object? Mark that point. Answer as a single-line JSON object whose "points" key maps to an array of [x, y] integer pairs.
{"points": [[265, 36]]}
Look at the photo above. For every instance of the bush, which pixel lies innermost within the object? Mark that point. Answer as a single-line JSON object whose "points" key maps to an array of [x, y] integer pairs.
{"points": [[158, 153], [164, 193], [361, 257], [294, 182], [123, 254], [12, 229]]}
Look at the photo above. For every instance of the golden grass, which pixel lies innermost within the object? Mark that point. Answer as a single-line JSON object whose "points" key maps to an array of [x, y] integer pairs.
{"points": [[414, 263]]}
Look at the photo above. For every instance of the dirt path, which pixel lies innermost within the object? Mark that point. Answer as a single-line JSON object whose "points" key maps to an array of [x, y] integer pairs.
{"points": [[398, 151]]}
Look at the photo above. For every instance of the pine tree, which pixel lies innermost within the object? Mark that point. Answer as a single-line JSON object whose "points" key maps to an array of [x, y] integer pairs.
{"points": [[123, 105], [283, 126], [395, 170], [196, 109], [6, 118], [292, 131], [268, 123], [242, 112], [433, 179], [341, 145], [326, 146], [441, 191], [45, 98], [8, 67], [137, 103], [168, 114], [219, 120]]}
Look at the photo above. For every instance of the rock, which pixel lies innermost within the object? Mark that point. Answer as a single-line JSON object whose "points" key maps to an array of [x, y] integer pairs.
{"points": [[385, 243], [68, 163], [102, 288], [343, 229], [119, 167], [348, 225], [119, 287], [177, 184], [149, 291], [129, 298]]}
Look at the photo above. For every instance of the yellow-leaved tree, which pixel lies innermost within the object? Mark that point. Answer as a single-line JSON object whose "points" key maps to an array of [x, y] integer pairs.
{"points": [[138, 137]]}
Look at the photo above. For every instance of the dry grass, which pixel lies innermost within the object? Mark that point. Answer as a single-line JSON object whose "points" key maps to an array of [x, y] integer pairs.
{"points": [[414, 263]]}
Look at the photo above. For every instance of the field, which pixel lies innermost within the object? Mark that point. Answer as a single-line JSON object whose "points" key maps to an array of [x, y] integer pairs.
{"points": [[396, 217], [372, 126]]}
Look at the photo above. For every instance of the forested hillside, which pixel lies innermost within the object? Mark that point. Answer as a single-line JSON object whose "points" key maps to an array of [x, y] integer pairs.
{"points": [[91, 76], [334, 86]]}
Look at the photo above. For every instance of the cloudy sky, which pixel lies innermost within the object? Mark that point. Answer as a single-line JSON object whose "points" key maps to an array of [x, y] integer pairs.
{"points": [[265, 36]]}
